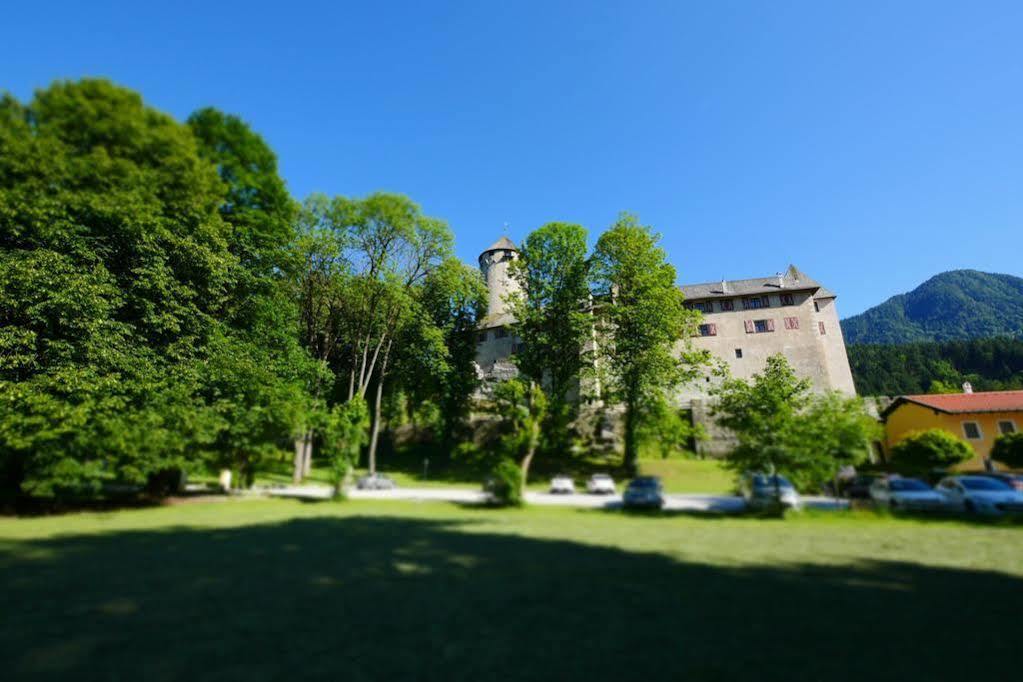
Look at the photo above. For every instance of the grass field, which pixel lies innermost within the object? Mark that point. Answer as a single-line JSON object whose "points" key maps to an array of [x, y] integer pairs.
{"points": [[262, 590]]}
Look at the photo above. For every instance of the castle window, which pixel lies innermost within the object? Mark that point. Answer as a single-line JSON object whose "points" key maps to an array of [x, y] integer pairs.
{"points": [[816, 307], [792, 323], [727, 304], [481, 337], [759, 326], [738, 353], [500, 333], [708, 330], [820, 328], [971, 430], [786, 299], [704, 306], [756, 302]]}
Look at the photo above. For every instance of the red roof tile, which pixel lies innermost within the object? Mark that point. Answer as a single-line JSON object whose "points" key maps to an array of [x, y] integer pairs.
{"points": [[989, 401]]}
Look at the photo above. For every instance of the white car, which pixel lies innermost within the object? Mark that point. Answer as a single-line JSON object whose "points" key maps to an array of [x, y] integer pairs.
{"points": [[562, 485], [908, 494], [600, 484], [981, 495]]}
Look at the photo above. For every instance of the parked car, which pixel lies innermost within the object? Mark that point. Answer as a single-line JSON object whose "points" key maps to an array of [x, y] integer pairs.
{"points": [[600, 484], [644, 492], [980, 494], [858, 488], [562, 485], [762, 491], [909, 494], [375, 482], [1010, 479]]}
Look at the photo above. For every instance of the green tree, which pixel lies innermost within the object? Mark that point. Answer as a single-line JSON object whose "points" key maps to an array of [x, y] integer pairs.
{"points": [[115, 264], [553, 319], [781, 427], [1008, 449], [641, 322], [521, 407], [922, 451], [344, 435]]}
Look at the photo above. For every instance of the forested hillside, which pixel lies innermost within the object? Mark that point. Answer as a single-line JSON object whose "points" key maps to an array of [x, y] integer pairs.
{"points": [[956, 305], [988, 364]]}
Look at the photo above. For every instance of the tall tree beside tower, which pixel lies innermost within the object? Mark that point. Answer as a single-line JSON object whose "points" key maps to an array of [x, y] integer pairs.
{"points": [[551, 308], [642, 319]]}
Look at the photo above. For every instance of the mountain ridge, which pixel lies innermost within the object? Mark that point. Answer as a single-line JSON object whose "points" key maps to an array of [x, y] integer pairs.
{"points": [[950, 306]]}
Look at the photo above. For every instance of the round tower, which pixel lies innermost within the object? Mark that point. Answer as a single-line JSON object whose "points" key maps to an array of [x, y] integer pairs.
{"points": [[494, 263]]}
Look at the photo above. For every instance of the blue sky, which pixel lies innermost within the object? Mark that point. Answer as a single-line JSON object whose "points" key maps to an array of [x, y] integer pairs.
{"points": [[871, 143]]}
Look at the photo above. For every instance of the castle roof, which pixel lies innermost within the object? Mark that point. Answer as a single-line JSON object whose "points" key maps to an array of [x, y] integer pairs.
{"points": [[791, 280], [502, 244]]}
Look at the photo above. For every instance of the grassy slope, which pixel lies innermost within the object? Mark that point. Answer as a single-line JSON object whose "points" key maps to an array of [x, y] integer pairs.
{"points": [[274, 589]]}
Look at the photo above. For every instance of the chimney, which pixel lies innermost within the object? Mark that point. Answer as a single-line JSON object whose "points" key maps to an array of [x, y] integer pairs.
{"points": [[781, 280], [724, 286], [967, 387]]}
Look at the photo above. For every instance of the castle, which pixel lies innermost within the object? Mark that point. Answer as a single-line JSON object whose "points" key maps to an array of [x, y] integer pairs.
{"points": [[745, 321]]}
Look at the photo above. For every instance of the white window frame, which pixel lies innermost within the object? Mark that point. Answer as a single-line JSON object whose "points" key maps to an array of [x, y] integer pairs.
{"points": [[1015, 429], [980, 431]]}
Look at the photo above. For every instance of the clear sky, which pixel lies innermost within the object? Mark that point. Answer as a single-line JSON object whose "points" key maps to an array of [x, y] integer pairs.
{"points": [[871, 143]]}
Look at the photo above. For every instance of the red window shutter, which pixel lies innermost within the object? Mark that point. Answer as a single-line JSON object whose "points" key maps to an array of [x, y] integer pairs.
{"points": [[770, 325], [749, 327], [713, 329], [820, 326], [788, 323]]}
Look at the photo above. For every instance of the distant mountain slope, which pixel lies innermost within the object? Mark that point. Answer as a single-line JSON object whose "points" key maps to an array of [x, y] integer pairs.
{"points": [[956, 305]]}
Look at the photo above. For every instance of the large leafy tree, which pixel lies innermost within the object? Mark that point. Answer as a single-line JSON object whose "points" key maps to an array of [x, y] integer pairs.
{"points": [[642, 321], [782, 427], [552, 309], [120, 271]]}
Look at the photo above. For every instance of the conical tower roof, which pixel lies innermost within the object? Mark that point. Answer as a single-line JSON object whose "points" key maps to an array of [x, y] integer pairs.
{"points": [[502, 244]]}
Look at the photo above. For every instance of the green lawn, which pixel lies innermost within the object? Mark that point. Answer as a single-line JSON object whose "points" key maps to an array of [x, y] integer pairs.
{"points": [[261, 590]]}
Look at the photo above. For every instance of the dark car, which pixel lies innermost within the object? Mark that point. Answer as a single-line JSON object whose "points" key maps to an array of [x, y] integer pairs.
{"points": [[644, 492], [858, 488]]}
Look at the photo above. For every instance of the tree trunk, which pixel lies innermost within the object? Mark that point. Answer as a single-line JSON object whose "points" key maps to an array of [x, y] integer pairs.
{"points": [[374, 435], [299, 461], [534, 440], [631, 446], [307, 454]]}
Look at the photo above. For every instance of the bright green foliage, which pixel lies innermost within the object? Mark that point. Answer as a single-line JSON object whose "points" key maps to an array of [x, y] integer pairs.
{"points": [[669, 430], [641, 321], [989, 364], [344, 435], [505, 484], [120, 355], [782, 427], [1008, 449], [922, 451], [521, 407], [956, 305], [553, 320]]}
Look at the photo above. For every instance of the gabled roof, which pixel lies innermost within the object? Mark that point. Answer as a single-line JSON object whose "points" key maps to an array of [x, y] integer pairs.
{"points": [[791, 280], [964, 403], [502, 244]]}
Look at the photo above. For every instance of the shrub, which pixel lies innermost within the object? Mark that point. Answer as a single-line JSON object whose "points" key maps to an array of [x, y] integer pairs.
{"points": [[921, 451], [505, 484], [1008, 450]]}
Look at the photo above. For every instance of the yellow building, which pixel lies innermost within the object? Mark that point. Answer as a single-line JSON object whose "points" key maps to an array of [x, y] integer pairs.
{"points": [[977, 418]]}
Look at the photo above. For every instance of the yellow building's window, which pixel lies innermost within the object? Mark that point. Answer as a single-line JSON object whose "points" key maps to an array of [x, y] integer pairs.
{"points": [[971, 430], [1006, 426]]}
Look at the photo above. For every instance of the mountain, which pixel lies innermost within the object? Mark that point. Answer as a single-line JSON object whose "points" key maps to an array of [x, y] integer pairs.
{"points": [[956, 305]]}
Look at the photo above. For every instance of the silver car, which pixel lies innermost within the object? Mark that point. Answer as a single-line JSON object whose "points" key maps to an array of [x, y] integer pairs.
{"points": [[375, 482], [762, 491], [908, 494], [600, 484]]}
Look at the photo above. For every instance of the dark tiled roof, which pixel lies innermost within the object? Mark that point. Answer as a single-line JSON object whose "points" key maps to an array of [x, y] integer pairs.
{"points": [[791, 280], [502, 244]]}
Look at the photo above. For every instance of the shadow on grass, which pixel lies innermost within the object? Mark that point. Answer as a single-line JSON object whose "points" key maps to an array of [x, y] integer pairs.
{"points": [[370, 598]]}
